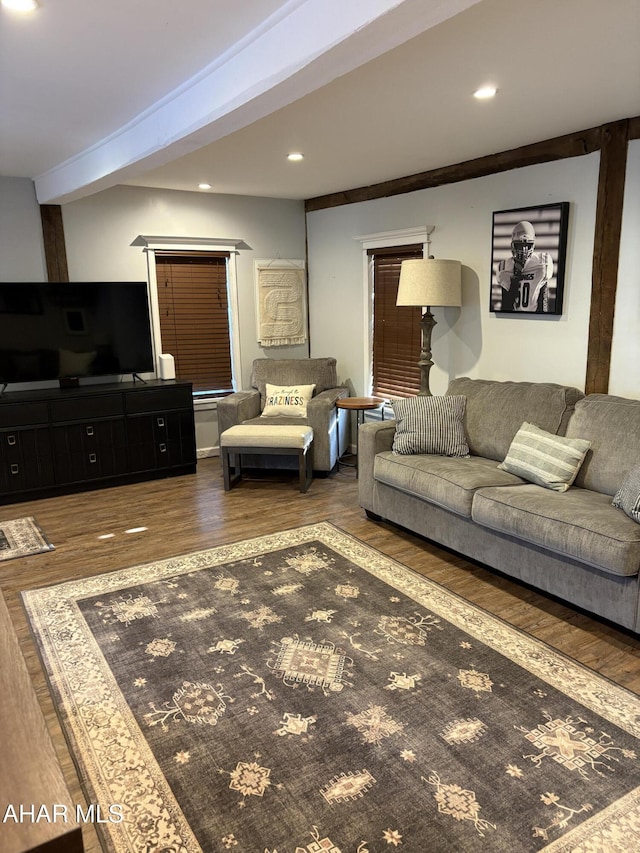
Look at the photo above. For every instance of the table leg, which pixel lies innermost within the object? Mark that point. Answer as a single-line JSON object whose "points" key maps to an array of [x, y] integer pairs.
{"points": [[231, 471], [359, 422]]}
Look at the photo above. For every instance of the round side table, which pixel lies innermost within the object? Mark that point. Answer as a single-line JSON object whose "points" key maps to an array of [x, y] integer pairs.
{"points": [[359, 405]]}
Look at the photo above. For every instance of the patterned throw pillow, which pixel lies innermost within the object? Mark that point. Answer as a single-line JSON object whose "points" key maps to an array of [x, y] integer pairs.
{"points": [[543, 458], [430, 425], [627, 498], [290, 401]]}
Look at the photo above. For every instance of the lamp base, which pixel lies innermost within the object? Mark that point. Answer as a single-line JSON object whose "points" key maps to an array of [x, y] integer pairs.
{"points": [[425, 363]]}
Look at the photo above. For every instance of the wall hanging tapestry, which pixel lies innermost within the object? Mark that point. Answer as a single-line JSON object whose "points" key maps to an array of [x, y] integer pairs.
{"points": [[301, 692], [21, 537], [280, 302]]}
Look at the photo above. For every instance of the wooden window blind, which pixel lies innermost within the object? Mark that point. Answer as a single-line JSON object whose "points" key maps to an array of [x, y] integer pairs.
{"points": [[194, 318], [396, 331]]}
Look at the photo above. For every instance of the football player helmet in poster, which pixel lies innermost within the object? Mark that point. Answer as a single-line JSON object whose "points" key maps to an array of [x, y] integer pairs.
{"points": [[524, 277]]}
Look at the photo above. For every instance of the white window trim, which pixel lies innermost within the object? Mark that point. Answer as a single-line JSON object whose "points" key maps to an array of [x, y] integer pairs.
{"points": [[382, 240], [151, 245]]}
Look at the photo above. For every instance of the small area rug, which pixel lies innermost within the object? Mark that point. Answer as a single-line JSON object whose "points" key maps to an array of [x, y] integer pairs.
{"points": [[303, 693], [21, 537]]}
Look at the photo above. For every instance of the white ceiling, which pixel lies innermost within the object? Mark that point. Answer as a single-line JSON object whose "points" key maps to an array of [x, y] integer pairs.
{"points": [[162, 93]]}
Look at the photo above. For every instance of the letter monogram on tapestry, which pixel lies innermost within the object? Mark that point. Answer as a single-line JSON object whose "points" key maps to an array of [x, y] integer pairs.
{"points": [[280, 302]]}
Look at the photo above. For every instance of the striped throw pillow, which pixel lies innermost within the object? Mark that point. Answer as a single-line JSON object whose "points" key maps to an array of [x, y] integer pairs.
{"points": [[627, 498], [543, 458], [430, 425]]}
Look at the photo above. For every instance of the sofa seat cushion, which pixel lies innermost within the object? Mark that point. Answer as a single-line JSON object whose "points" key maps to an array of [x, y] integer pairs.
{"points": [[448, 481], [579, 523]]}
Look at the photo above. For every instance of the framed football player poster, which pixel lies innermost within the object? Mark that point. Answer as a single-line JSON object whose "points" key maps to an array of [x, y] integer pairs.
{"points": [[528, 255]]}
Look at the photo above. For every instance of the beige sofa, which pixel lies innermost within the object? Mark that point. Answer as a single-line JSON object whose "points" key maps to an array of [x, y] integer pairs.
{"points": [[574, 545]]}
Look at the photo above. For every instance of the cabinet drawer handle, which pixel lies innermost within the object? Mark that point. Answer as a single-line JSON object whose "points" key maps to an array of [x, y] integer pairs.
{"points": [[93, 457], [163, 448], [160, 422], [15, 468], [11, 440], [89, 430]]}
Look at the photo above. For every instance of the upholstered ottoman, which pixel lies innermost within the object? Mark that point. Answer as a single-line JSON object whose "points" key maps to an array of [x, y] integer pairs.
{"points": [[279, 439]]}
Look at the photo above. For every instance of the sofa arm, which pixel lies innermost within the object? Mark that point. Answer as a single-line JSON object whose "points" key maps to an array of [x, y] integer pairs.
{"points": [[326, 399], [373, 438], [329, 429], [238, 407]]}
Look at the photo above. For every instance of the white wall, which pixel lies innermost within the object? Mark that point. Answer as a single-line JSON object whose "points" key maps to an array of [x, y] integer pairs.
{"points": [[21, 245], [99, 231], [470, 341], [624, 378]]}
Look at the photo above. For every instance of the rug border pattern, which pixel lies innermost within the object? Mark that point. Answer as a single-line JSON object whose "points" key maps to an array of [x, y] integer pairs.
{"points": [[41, 542]]}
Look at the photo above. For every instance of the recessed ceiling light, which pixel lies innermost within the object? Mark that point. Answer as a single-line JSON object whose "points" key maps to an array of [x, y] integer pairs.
{"points": [[295, 155], [204, 186], [485, 92], [21, 5]]}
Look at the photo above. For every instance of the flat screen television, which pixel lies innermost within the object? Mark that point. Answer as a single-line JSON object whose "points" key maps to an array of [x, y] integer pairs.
{"points": [[65, 331]]}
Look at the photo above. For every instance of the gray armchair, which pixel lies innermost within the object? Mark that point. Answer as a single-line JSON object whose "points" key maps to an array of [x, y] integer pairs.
{"points": [[330, 425]]}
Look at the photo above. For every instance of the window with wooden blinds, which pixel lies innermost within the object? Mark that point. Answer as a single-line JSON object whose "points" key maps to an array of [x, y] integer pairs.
{"points": [[396, 331], [194, 318]]}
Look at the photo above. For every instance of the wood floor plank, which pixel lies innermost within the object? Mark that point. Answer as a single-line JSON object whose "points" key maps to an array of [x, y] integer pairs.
{"points": [[193, 512]]}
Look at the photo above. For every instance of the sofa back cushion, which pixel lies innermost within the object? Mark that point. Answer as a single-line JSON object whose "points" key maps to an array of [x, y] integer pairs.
{"points": [[612, 425], [320, 372], [495, 411]]}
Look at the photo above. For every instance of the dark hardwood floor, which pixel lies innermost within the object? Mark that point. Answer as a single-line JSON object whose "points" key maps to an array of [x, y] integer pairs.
{"points": [[193, 512]]}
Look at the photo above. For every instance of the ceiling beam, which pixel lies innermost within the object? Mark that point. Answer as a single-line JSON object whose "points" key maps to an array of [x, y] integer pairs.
{"points": [[300, 48], [558, 148]]}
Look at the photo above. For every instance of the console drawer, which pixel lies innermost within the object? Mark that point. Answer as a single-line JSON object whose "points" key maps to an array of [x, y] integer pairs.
{"points": [[20, 414], [154, 400], [86, 408]]}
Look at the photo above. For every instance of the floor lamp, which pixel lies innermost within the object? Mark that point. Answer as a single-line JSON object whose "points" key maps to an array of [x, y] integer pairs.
{"points": [[429, 282]]}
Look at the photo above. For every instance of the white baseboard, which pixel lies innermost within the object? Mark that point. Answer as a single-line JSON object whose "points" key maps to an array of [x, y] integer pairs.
{"points": [[204, 452]]}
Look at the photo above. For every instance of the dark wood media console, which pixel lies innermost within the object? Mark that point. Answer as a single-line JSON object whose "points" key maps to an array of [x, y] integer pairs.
{"points": [[54, 440]]}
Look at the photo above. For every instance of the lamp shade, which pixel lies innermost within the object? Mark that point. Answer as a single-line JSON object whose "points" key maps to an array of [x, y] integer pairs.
{"points": [[430, 281]]}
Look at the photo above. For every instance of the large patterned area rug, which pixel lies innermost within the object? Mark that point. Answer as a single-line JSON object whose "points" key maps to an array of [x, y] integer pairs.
{"points": [[21, 537], [303, 693]]}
